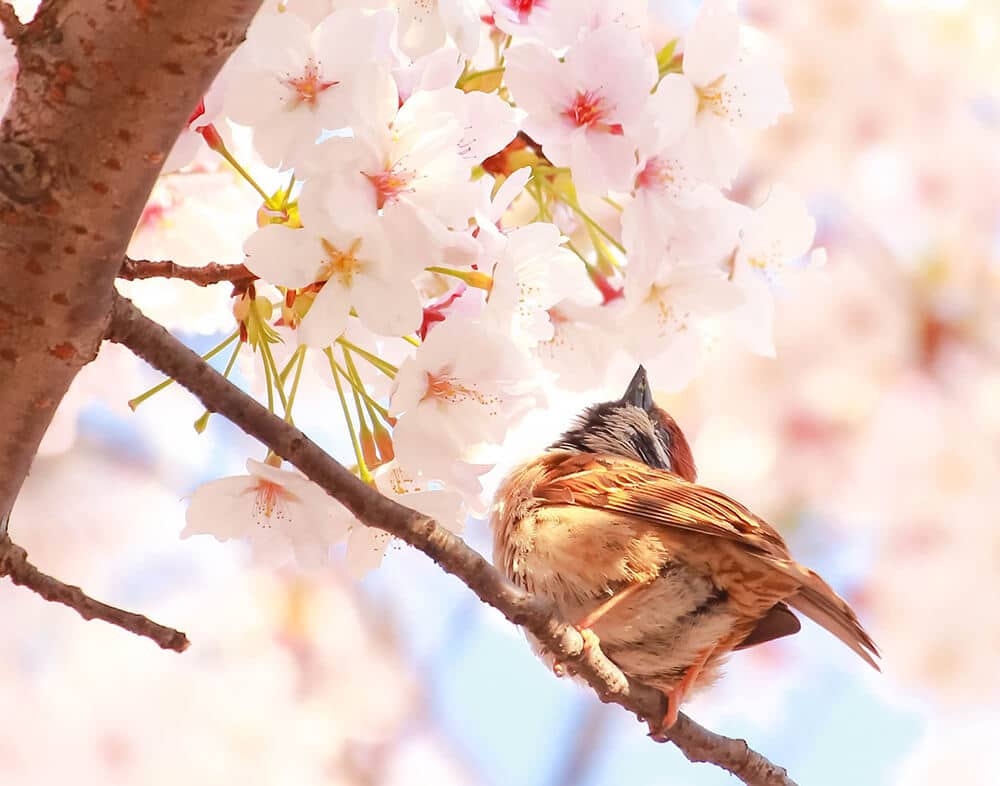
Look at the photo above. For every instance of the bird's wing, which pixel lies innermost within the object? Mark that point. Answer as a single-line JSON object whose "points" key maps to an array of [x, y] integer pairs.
{"points": [[630, 488]]}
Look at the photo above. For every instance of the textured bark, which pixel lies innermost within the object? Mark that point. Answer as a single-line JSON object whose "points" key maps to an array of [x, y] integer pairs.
{"points": [[103, 90], [203, 276], [165, 353]]}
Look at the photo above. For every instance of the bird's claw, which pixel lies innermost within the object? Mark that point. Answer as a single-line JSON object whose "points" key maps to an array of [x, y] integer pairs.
{"points": [[590, 640]]}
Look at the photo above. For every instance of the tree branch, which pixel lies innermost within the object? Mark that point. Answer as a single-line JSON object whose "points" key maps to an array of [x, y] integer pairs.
{"points": [[211, 273], [14, 564], [154, 344]]}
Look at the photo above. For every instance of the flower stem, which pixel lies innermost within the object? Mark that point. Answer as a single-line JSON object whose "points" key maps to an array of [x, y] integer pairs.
{"points": [[382, 365], [474, 278], [224, 152], [355, 379], [362, 467], [135, 402], [576, 208], [300, 354]]}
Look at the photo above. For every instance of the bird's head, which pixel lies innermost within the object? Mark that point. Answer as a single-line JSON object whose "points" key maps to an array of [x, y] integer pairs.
{"points": [[632, 427]]}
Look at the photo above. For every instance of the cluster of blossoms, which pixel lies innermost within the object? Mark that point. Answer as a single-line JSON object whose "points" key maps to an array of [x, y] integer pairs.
{"points": [[476, 205]]}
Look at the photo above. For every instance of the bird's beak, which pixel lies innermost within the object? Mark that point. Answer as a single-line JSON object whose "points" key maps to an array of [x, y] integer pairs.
{"points": [[638, 393]]}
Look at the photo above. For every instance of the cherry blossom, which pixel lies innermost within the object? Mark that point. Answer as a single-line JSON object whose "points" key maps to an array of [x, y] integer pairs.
{"points": [[734, 91], [534, 273], [585, 108], [367, 545], [777, 233], [424, 25], [292, 82], [422, 158], [282, 514], [464, 386], [558, 23], [355, 265], [667, 312]]}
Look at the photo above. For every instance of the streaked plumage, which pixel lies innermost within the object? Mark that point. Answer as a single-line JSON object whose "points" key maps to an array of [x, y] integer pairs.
{"points": [[613, 507]]}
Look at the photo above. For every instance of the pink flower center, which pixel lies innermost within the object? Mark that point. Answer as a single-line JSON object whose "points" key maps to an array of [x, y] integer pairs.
{"points": [[589, 110], [523, 8], [390, 184], [308, 86], [656, 174], [269, 503]]}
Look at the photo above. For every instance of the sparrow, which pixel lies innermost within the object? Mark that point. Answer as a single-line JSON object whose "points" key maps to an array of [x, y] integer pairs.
{"points": [[668, 577]]}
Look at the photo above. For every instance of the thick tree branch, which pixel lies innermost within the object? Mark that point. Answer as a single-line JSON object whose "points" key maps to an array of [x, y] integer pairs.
{"points": [[203, 276], [103, 89], [14, 564], [168, 355]]}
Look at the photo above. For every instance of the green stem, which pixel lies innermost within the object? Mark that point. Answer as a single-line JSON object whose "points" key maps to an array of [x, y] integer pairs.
{"points": [[382, 365], [575, 207], [412, 340], [202, 423], [474, 278], [268, 382], [300, 353], [354, 378], [224, 152], [362, 467], [133, 403], [359, 386]]}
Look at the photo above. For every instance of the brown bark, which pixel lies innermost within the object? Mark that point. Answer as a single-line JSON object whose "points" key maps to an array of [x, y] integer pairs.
{"points": [[202, 276], [14, 564], [103, 90]]}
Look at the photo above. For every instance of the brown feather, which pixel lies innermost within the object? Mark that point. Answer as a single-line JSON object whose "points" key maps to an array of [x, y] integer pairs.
{"points": [[777, 623], [758, 556]]}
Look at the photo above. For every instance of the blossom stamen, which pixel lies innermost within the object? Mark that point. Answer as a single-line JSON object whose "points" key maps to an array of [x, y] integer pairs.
{"points": [[390, 184], [589, 109], [308, 86], [342, 265], [447, 388]]}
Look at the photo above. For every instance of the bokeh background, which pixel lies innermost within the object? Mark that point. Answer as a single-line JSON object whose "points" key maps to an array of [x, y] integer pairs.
{"points": [[872, 442]]}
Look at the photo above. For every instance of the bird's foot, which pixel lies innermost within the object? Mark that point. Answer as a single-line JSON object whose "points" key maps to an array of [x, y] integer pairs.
{"points": [[677, 695], [590, 639]]}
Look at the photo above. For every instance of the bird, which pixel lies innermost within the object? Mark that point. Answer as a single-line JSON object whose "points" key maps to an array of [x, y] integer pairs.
{"points": [[666, 576]]}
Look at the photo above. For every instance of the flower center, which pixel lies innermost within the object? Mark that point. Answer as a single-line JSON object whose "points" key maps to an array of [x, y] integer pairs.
{"points": [[342, 265], [400, 484], [308, 86], [390, 184], [589, 110], [714, 98], [523, 8], [268, 504], [656, 174], [445, 387], [668, 318]]}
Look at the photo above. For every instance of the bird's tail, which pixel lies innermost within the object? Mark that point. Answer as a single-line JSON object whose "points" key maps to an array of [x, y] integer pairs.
{"points": [[817, 600]]}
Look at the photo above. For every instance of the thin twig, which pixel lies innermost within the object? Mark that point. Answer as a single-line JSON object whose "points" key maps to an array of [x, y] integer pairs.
{"points": [[203, 276], [161, 350], [14, 564]]}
